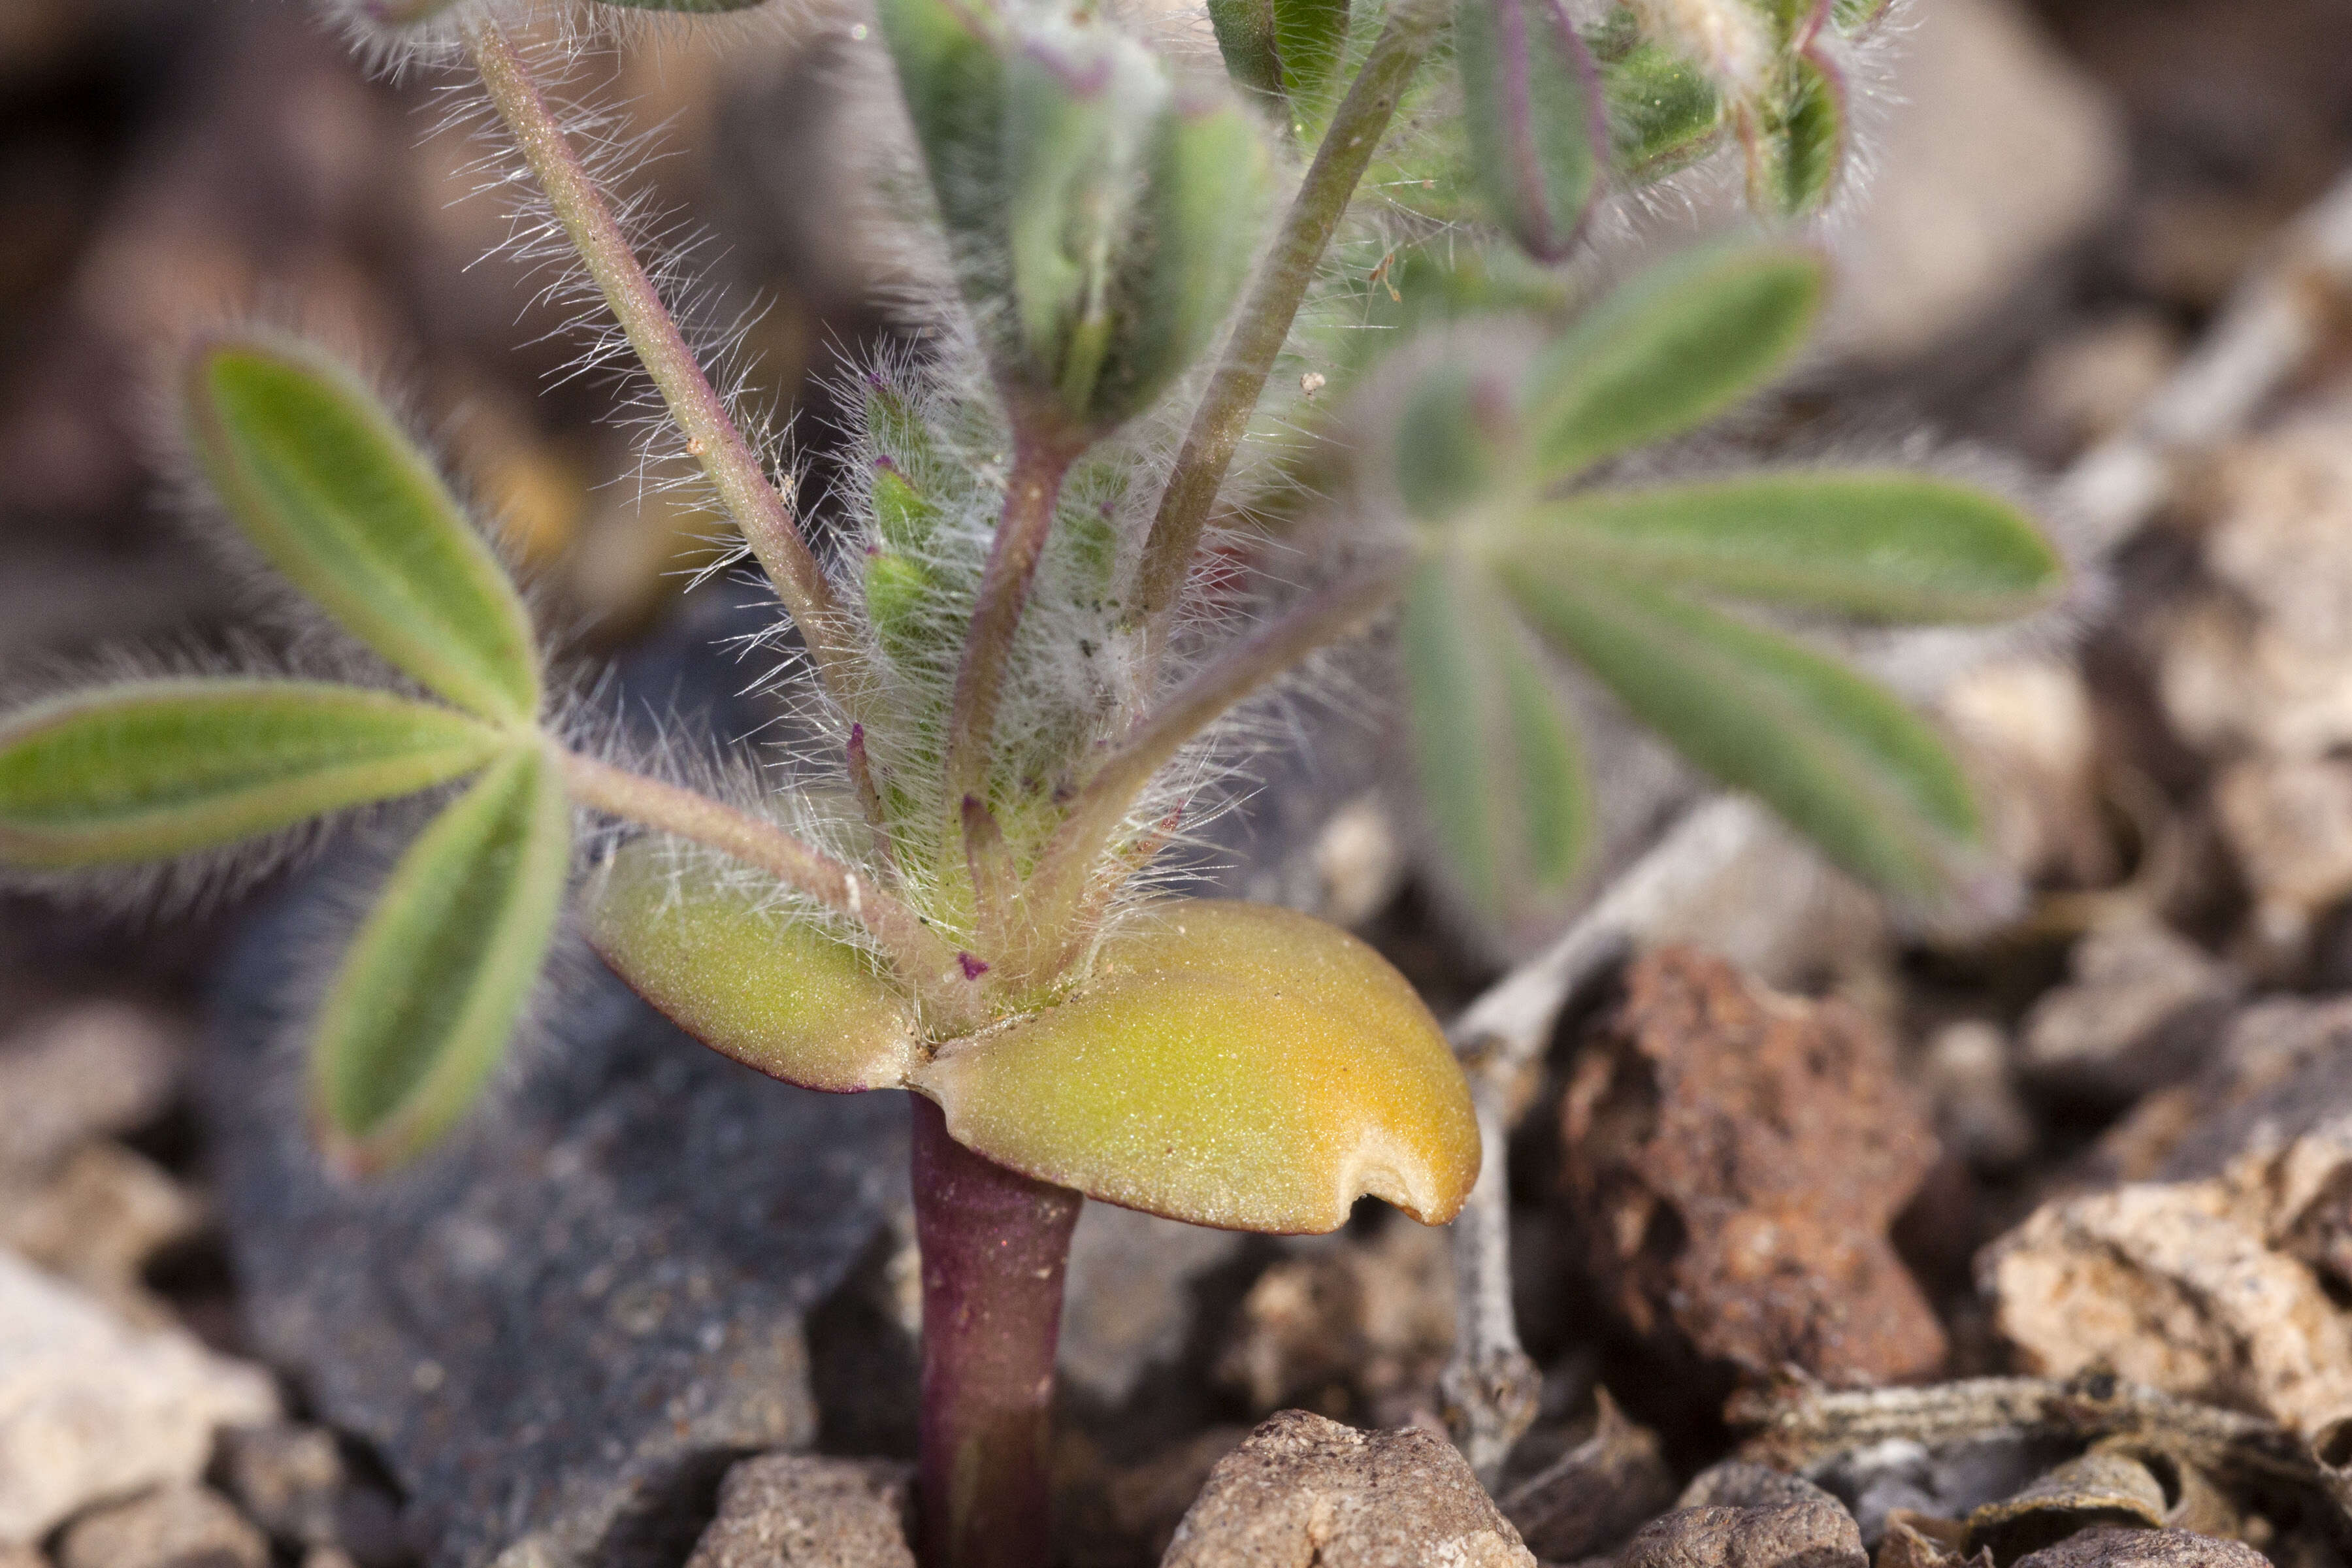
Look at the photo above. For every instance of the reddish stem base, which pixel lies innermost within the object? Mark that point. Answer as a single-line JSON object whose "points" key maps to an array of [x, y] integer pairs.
{"points": [[994, 1245]]}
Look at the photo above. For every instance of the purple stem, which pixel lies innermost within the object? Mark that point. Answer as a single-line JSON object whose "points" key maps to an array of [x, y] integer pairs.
{"points": [[994, 1245]]}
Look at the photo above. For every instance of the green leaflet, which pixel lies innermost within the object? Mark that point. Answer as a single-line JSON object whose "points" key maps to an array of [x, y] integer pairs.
{"points": [[1668, 349], [1887, 545], [1797, 146], [150, 769], [315, 474], [1247, 40], [1498, 765], [1453, 442], [755, 982], [952, 80], [1532, 109], [1843, 761], [421, 1010], [1284, 49]]}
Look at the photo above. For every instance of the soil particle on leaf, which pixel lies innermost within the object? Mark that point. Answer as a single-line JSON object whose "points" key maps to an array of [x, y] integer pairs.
{"points": [[1734, 1159], [1305, 1491]]}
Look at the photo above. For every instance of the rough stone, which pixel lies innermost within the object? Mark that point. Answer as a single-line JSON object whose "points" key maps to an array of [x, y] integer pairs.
{"points": [[559, 1328], [1804, 1532], [1735, 1157], [2289, 824], [1304, 1492], [2137, 1011], [1596, 1494], [2029, 739], [97, 1220], [2281, 1067], [91, 1408], [100, 1068], [2113, 1546], [174, 1527], [1979, 1113], [1907, 1545], [791, 1510], [1128, 1306], [1999, 152], [292, 1480], [1347, 1326]]}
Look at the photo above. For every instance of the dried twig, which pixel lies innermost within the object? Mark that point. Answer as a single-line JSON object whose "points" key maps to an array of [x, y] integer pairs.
{"points": [[2270, 328]]}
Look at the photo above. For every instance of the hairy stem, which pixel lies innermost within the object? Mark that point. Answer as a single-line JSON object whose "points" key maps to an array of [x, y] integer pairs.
{"points": [[1030, 497], [994, 1246], [701, 413], [1325, 616], [1263, 326], [804, 869]]}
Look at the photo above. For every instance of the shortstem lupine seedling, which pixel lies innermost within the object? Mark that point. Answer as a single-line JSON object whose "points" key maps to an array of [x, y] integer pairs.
{"points": [[1018, 663]]}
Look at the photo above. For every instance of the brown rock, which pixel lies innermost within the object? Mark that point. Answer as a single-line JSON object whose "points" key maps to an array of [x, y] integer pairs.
{"points": [[1812, 1532], [14, 1557], [96, 1221], [1594, 1495], [177, 1526], [2281, 1067], [1348, 1328], [2111, 1546], [2102, 1486], [1734, 1159], [1304, 1492], [793, 1510], [1908, 1546], [2289, 823]]}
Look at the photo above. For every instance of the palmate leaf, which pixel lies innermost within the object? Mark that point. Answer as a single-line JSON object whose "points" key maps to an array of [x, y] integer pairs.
{"points": [[1669, 350], [1497, 764], [751, 981], [321, 480], [1883, 544], [1227, 1064], [421, 1010], [150, 769], [1842, 760]]}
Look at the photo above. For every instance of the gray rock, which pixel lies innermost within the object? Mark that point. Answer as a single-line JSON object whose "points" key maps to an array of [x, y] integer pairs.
{"points": [[559, 1327], [2140, 1008], [1304, 1490], [1737, 1483], [176, 1527], [1594, 1495], [293, 1481], [790, 1511], [1129, 1308], [91, 1408], [2110, 1546]]}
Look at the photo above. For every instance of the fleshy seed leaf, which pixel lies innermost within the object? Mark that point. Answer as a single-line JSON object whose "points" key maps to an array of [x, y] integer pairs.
{"points": [[1885, 545], [151, 769], [422, 1008], [1839, 757], [749, 979], [1227, 1064], [322, 481], [1678, 344]]}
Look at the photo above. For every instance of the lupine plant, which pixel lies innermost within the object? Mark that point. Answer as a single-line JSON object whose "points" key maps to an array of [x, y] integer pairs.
{"points": [[1014, 651]]}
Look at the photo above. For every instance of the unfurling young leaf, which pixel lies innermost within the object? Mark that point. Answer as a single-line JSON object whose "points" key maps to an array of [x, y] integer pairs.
{"points": [[1532, 107], [315, 474], [1662, 111], [1883, 544], [151, 769], [751, 979], [421, 1010], [1291, 49], [1796, 143], [1667, 350], [1842, 759], [1497, 764]]}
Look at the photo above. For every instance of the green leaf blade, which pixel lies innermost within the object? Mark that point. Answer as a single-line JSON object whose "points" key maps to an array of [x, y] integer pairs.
{"points": [[1669, 350], [1839, 757], [1532, 110], [319, 477], [1500, 772], [152, 769], [1887, 545], [421, 1010]]}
